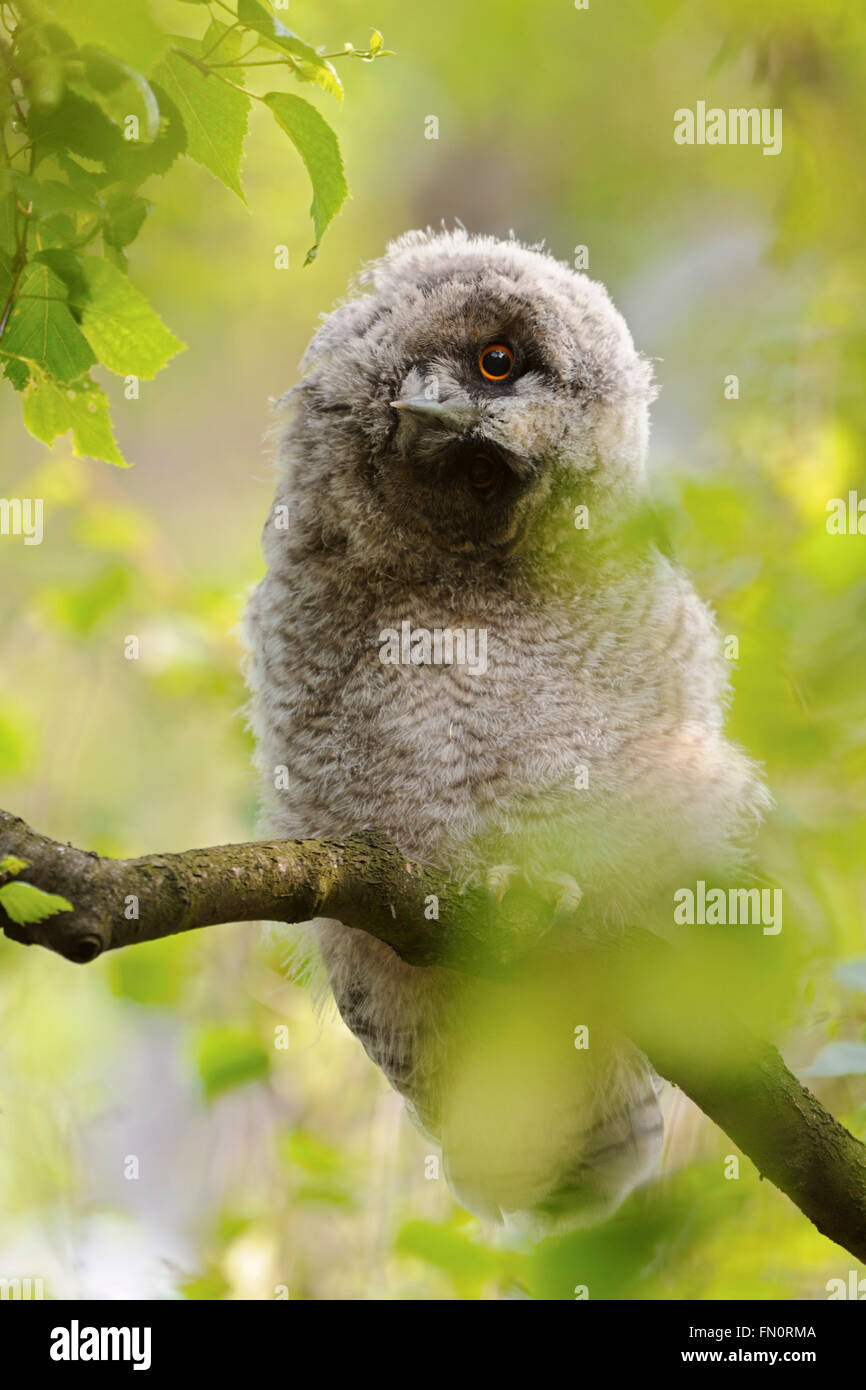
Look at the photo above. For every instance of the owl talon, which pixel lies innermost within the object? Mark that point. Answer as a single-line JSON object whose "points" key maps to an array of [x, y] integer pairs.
{"points": [[499, 879], [568, 893]]}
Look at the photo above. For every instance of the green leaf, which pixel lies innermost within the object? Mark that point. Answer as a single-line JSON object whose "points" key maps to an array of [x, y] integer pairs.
{"points": [[257, 18], [324, 1193], [317, 145], [50, 411], [309, 66], [212, 1286], [93, 57], [324, 76], [81, 608], [314, 1155], [136, 160], [376, 41], [468, 1264], [41, 328], [102, 72], [229, 1056], [213, 113], [115, 256], [76, 125], [17, 372], [81, 127], [151, 975], [59, 230], [11, 864], [49, 196], [24, 904], [17, 739], [124, 219], [127, 336], [125, 30], [44, 80]]}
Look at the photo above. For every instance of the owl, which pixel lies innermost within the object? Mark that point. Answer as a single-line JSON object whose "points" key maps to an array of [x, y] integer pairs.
{"points": [[466, 639]]}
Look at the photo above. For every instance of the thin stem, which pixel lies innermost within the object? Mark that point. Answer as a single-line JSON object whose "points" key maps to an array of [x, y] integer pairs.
{"points": [[225, 33], [19, 260], [263, 63], [352, 53], [238, 88], [10, 298], [210, 71], [14, 76]]}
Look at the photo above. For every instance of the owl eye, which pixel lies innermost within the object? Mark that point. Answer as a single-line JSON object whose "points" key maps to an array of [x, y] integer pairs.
{"points": [[496, 361]]}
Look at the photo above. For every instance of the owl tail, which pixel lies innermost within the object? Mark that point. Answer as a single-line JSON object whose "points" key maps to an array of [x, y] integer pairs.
{"points": [[544, 1166], [528, 1122], [613, 1156]]}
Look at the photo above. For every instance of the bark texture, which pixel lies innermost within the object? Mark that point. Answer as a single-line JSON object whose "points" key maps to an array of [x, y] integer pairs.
{"points": [[635, 980]]}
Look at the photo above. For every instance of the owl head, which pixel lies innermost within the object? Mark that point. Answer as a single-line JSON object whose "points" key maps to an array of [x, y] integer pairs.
{"points": [[465, 389]]}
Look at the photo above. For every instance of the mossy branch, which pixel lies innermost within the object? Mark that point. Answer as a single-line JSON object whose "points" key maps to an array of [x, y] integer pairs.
{"points": [[631, 979]]}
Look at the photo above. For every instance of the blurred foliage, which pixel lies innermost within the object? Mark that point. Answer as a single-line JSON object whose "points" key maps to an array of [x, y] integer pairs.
{"points": [[229, 1055], [96, 101], [262, 1167]]}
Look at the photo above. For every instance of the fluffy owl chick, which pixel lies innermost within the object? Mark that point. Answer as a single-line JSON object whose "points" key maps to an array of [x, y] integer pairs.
{"points": [[464, 454]]}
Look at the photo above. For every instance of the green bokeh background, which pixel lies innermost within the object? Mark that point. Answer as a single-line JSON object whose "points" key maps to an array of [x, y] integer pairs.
{"points": [[263, 1166]]}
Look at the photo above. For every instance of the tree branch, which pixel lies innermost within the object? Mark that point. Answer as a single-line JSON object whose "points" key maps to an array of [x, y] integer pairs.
{"points": [[630, 979]]}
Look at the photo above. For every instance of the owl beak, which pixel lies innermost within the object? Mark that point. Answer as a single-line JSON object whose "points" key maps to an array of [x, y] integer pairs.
{"points": [[457, 413], [461, 415]]}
